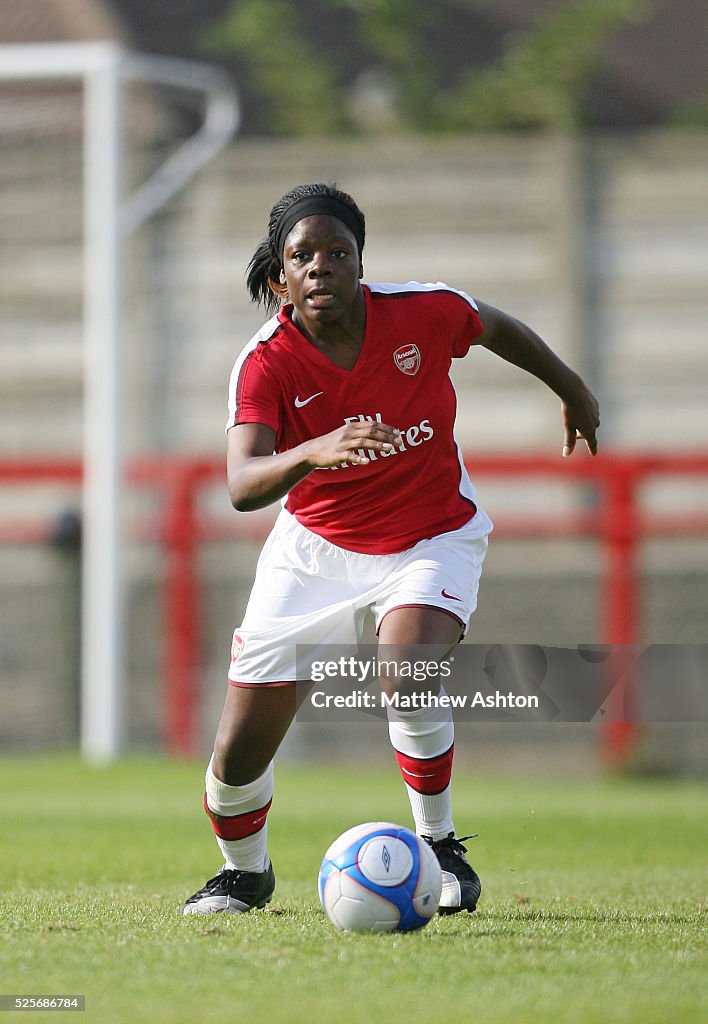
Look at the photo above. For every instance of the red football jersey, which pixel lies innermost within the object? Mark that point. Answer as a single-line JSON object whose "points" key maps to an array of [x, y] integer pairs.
{"points": [[401, 378]]}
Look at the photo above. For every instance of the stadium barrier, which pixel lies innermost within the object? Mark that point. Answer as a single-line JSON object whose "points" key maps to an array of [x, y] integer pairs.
{"points": [[614, 517]]}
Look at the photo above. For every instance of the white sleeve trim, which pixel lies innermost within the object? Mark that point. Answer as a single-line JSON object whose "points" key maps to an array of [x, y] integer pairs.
{"points": [[267, 331], [388, 288]]}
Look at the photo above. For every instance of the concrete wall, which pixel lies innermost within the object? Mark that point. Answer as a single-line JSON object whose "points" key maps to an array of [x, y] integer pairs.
{"points": [[600, 245]]}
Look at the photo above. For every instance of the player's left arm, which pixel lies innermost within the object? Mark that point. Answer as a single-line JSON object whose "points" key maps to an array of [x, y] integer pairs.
{"points": [[513, 341]]}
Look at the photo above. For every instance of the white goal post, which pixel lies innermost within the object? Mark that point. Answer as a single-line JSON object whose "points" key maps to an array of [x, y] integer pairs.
{"points": [[104, 69]]}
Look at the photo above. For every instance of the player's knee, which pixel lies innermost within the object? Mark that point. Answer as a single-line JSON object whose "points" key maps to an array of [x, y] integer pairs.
{"points": [[234, 764], [408, 669]]}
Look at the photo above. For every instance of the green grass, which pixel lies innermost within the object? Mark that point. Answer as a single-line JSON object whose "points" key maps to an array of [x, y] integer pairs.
{"points": [[593, 904]]}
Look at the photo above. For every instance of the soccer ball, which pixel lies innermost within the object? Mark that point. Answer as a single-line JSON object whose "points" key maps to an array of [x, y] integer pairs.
{"points": [[379, 877]]}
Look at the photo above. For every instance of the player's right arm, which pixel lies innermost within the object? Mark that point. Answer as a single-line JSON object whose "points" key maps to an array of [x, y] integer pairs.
{"points": [[258, 476]]}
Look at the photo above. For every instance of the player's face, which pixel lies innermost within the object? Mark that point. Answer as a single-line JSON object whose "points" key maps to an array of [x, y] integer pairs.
{"points": [[322, 269]]}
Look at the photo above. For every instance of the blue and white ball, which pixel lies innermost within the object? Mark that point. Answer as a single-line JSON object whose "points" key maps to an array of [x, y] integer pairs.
{"points": [[379, 877]]}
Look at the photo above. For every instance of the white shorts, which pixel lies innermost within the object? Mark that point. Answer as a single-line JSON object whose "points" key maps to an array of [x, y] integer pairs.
{"points": [[308, 591]]}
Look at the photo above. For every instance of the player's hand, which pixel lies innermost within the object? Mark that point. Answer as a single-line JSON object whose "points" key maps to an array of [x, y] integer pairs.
{"points": [[581, 418], [350, 443]]}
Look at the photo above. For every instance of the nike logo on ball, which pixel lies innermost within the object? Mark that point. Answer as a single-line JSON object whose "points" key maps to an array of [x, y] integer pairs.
{"points": [[450, 596], [299, 402]]}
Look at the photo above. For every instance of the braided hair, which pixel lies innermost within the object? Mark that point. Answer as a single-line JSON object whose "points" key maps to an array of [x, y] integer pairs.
{"points": [[263, 274]]}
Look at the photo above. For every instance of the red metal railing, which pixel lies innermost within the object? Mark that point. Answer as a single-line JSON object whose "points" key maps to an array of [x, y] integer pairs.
{"points": [[617, 521]]}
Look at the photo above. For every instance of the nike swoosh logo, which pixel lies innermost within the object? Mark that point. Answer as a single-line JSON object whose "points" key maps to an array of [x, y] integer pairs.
{"points": [[418, 775], [299, 402], [451, 597]]}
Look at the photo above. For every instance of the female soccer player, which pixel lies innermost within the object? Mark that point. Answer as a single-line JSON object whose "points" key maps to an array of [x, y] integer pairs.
{"points": [[343, 407]]}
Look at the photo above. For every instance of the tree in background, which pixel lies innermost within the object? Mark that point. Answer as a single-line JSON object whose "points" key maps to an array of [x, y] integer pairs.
{"points": [[542, 76], [335, 66]]}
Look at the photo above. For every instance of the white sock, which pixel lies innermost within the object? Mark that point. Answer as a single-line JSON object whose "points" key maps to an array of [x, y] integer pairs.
{"points": [[239, 819], [423, 744], [432, 814]]}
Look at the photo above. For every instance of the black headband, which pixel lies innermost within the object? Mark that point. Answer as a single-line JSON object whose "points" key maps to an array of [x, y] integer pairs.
{"points": [[312, 206]]}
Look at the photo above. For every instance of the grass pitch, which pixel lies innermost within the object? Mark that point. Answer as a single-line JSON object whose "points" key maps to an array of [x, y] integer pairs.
{"points": [[593, 904]]}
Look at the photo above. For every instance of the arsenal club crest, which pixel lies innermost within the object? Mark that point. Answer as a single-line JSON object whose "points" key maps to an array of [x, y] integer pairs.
{"points": [[407, 359]]}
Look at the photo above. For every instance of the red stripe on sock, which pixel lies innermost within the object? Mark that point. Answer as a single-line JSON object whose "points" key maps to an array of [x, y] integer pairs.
{"points": [[237, 826], [429, 775]]}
